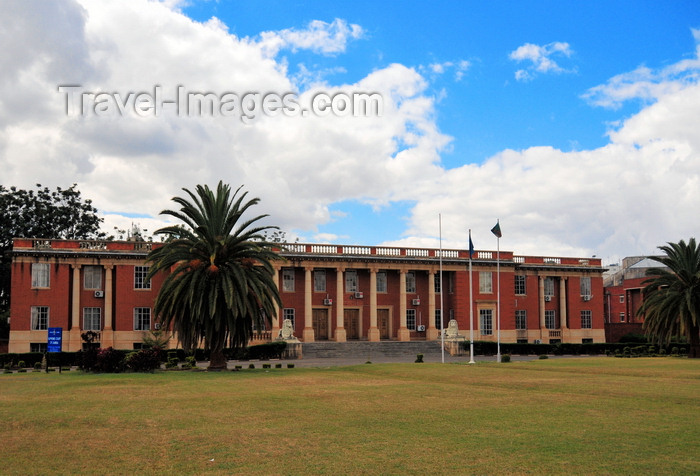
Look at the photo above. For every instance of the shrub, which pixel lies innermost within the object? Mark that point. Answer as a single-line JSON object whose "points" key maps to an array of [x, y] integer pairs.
{"points": [[505, 358], [266, 366], [37, 365], [191, 360], [278, 366], [290, 366], [172, 363], [543, 357], [21, 370], [674, 351], [186, 366], [21, 364], [109, 360], [251, 366], [145, 360], [238, 367], [419, 358], [269, 350]]}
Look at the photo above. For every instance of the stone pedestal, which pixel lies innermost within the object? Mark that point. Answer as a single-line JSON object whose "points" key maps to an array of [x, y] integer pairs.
{"points": [[453, 340], [286, 334]]}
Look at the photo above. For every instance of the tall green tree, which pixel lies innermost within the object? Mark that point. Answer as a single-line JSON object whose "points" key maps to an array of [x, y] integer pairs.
{"points": [[41, 213], [671, 306], [220, 282]]}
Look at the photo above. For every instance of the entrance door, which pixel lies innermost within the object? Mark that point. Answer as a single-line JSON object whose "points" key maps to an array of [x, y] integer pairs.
{"points": [[319, 318], [352, 323], [383, 323]]}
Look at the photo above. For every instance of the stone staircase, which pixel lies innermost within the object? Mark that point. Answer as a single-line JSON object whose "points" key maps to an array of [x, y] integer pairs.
{"points": [[369, 350]]}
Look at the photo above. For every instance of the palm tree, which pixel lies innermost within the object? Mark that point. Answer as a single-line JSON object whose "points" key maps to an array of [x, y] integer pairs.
{"points": [[220, 277], [671, 306]]}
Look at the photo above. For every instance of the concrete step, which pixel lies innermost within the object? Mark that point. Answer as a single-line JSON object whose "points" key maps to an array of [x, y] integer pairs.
{"points": [[368, 350]]}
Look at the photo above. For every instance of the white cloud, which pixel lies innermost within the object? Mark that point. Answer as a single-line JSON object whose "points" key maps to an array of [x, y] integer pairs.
{"points": [[319, 37], [540, 59]]}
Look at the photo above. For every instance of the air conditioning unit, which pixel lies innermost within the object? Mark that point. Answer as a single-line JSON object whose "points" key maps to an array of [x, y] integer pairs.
{"points": [[359, 295], [421, 328], [586, 297], [547, 298], [327, 302], [99, 294], [156, 325], [416, 302]]}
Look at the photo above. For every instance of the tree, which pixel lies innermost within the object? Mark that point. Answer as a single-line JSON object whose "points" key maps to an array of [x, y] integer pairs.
{"points": [[43, 213], [220, 282], [671, 306]]}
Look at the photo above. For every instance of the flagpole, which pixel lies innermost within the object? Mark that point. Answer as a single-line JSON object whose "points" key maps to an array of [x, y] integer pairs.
{"points": [[442, 314], [498, 298], [471, 302]]}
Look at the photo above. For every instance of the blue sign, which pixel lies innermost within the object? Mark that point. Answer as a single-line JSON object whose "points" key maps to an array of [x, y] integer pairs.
{"points": [[55, 339]]}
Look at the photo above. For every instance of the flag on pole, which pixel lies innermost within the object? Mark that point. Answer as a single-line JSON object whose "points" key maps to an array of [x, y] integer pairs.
{"points": [[496, 230], [471, 245]]}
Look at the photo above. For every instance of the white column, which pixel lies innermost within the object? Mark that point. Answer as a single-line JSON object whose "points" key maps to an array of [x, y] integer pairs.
{"points": [[75, 342], [404, 334], [340, 333], [308, 333], [373, 333]]}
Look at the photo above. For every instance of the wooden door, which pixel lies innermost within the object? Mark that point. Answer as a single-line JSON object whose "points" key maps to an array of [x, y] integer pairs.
{"points": [[383, 323], [352, 324], [319, 320]]}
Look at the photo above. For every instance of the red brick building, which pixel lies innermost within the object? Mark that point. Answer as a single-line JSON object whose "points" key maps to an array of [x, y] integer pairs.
{"points": [[329, 292], [623, 296]]}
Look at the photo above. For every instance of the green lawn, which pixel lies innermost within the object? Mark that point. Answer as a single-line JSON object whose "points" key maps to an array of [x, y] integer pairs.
{"points": [[557, 416]]}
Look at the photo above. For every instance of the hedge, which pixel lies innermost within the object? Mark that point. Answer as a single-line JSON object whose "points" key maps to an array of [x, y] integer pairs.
{"points": [[595, 348]]}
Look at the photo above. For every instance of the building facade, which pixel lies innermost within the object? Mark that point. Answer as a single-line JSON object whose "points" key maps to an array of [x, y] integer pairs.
{"points": [[329, 292]]}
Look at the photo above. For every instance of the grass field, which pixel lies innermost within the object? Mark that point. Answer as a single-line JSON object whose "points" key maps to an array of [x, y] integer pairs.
{"points": [[557, 416]]}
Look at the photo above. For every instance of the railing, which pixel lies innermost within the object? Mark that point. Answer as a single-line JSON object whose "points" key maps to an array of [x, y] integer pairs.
{"points": [[388, 251], [93, 245], [357, 250], [484, 254], [554, 333]]}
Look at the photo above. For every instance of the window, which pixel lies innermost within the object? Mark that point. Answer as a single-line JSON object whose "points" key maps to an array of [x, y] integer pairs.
{"points": [[142, 318], [40, 275], [40, 318], [351, 281], [38, 347], [438, 318], [586, 321], [549, 287], [320, 280], [486, 322], [586, 286], [550, 319], [381, 282], [91, 318], [288, 313], [92, 277], [622, 317], [521, 319], [410, 282], [288, 280], [622, 298], [587, 341], [519, 284], [411, 319], [438, 284], [485, 285], [140, 273]]}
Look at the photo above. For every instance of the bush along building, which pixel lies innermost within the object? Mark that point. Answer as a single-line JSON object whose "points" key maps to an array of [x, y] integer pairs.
{"points": [[329, 292]]}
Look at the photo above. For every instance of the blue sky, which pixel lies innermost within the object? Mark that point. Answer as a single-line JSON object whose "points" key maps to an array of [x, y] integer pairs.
{"points": [[568, 121]]}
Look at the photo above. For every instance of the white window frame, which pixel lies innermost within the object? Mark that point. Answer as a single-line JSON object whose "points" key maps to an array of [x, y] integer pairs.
{"points": [[486, 322], [288, 280], [289, 313], [319, 280], [411, 319], [622, 317], [550, 319], [40, 318], [92, 277], [351, 281], [411, 282], [140, 316], [622, 298], [89, 316], [40, 275], [438, 318], [381, 282], [586, 319], [438, 284], [485, 282], [521, 319], [549, 286], [585, 285], [520, 284], [140, 273]]}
